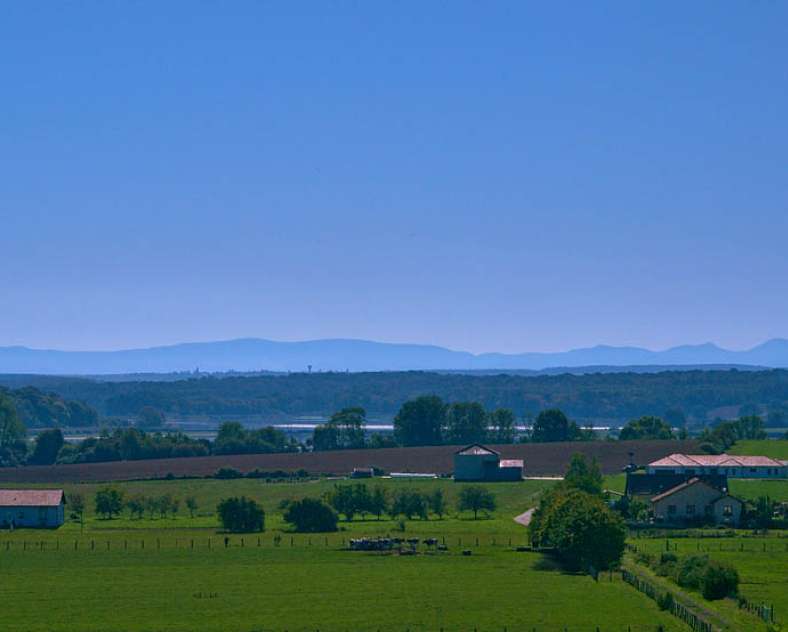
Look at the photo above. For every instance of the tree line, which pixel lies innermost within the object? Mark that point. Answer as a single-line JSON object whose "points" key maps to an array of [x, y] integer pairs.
{"points": [[677, 396]]}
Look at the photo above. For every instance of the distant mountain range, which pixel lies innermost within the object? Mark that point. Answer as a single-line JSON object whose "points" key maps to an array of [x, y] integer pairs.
{"points": [[253, 354]]}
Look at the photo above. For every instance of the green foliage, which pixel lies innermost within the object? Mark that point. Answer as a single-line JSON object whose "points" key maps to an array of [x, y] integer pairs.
{"points": [[47, 446], [437, 502], [241, 515], [344, 430], [665, 601], [553, 425], [501, 424], [410, 503], [580, 526], [420, 421], [310, 515], [76, 503], [719, 580], [233, 438], [149, 417], [647, 427], [466, 422], [379, 501], [582, 475], [46, 410], [12, 433], [690, 570], [109, 502], [227, 473], [475, 498], [696, 394], [726, 433]]}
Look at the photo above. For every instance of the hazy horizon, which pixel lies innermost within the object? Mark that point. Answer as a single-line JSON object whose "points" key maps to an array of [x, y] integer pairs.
{"points": [[396, 342]]}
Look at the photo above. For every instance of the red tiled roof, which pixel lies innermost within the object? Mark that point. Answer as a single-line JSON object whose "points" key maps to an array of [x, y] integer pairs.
{"points": [[715, 460], [30, 497]]}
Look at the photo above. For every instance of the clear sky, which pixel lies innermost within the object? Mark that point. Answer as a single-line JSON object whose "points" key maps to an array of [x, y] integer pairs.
{"points": [[505, 176]]}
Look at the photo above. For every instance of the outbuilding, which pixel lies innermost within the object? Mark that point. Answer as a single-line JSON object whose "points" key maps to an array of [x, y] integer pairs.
{"points": [[40, 508], [479, 463]]}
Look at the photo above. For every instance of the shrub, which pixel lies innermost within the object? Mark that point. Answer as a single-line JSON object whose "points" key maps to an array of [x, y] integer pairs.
{"points": [[310, 515], [719, 580], [227, 472], [690, 571], [241, 515], [665, 602], [667, 565]]}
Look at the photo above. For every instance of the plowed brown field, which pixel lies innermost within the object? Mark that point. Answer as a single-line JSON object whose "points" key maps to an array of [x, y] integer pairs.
{"points": [[541, 459]]}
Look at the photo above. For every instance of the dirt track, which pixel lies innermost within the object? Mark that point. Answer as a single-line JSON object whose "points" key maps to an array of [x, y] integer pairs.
{"points": [[541, 459]]}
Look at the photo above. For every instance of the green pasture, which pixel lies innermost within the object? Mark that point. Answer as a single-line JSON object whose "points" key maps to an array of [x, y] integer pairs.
{"points": [[512, 499], [775, 448], [310, 588], [762, 562]]}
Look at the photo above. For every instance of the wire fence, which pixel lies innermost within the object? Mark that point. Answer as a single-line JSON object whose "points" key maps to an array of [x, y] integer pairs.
{"points": [[235, 541]]}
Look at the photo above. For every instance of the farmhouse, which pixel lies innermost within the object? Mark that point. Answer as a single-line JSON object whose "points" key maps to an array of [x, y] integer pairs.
{"points": [[32, 508], [725, 464], [696, 500], [478, 463]]}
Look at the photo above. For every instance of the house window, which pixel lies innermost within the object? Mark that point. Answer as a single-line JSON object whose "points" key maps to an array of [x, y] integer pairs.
{"points": [[671, 510], [690, 510], [689, 472], [727, 510], [753, 470]]}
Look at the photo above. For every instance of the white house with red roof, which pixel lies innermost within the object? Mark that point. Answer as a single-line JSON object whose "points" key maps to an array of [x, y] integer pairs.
{"points": [[42, 508], [731, 465], [696, 501]]}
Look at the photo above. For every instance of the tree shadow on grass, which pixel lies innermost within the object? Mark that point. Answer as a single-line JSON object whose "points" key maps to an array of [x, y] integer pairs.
{"points": [[551, 564]]}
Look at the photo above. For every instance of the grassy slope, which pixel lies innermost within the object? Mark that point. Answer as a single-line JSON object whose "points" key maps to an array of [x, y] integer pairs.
{"points": [[775, 448], [761, 562]]}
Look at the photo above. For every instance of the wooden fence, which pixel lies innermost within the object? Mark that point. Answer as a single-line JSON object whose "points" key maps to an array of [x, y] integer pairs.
{"points": [[676, 609]]}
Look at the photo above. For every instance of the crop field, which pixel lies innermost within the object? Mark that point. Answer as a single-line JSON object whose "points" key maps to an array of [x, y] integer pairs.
{"points": [[541, 459], [762, 563]]}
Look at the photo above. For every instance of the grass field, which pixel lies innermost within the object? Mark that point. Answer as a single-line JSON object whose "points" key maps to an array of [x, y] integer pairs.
{"points": [[305, 588], [775, 448], [177, 574], [762, 563], [512, 499]]}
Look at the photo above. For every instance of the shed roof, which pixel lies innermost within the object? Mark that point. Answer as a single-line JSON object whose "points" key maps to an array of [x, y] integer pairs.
{"points": [[476, 449], [715, 460], [511, 463], [30, 497]]}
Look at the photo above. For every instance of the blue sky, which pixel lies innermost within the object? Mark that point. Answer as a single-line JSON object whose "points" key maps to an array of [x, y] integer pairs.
{"points": [[504, 176]]}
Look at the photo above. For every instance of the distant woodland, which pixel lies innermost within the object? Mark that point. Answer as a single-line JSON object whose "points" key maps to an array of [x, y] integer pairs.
{"points": [[694, 397]]}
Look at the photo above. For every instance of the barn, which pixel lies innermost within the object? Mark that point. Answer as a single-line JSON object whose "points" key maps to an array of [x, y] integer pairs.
{"points": [[41, 508], [479, 463]]}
